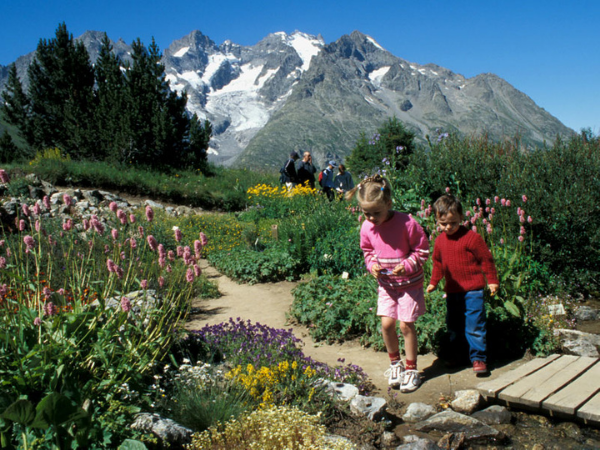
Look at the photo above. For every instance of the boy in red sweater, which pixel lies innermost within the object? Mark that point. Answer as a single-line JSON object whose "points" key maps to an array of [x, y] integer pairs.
{"points": [[463, 259]]}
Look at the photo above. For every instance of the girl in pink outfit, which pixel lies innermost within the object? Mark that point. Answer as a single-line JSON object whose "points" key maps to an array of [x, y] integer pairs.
{"points": [[395, 248]]}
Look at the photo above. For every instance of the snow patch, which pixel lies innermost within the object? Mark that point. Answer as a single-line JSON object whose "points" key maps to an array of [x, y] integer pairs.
{"points": [[193, 78], [181, 52], [214, 63], [306, 47], [375, 43], [378, 74]]}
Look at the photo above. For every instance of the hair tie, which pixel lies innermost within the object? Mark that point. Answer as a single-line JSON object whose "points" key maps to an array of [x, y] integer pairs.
{"points": [[382, 188]]}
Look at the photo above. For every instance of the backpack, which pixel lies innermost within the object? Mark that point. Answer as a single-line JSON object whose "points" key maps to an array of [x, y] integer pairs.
{"points": [[321, 177], [282, 176]]}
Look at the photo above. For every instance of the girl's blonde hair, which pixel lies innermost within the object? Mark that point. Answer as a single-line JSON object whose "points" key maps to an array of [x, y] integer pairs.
{"points": [[373, 189]]}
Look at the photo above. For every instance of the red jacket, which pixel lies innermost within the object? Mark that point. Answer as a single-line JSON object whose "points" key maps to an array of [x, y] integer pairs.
{"points": [[464, 260]]}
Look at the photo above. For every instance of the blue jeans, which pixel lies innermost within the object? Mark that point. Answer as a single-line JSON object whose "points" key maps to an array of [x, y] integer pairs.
{"points": [[466, 318]]}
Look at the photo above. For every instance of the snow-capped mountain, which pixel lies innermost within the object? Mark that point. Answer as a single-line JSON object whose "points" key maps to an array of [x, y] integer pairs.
{"points": [[295, 92]]}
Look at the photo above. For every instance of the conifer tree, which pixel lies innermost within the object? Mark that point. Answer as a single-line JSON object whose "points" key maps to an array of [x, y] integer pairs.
{"points": [[61, 94], [8, 149], [15, 105]]}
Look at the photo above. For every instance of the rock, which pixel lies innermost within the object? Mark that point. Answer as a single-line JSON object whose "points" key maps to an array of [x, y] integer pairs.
{"points": [[36, 192], [183, 211], [341, 391], [372, 407], [153, 204], [452, 441], [584, 313], [412, 442], [417, 412], [388, 439], [494, 415], [453, 422], [335, 440], [579, 343], [169, 431], [94, 197], [466, 401]]}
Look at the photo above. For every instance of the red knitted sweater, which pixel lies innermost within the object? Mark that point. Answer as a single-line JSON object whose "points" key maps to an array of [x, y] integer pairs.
{"points": [[464, 260]]}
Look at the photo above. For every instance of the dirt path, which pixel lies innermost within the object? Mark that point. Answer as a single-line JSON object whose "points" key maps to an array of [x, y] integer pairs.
{"points": [[268, 304]]}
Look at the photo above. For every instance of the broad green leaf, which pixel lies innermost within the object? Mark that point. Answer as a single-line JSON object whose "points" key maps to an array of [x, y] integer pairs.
{"points": [[130, 444], [512, 308], [21, 412]]}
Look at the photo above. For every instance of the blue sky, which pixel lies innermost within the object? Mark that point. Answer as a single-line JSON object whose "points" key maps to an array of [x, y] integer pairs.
{"points": [[550, 50]]}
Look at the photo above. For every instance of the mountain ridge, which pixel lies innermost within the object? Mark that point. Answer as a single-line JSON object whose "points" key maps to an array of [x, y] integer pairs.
{"points": [[295, 92]]}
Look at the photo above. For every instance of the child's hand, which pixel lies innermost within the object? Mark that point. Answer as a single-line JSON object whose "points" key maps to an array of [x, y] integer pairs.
{"points": [[493, 289], [399, 269], [430, 288], [375, 269]]}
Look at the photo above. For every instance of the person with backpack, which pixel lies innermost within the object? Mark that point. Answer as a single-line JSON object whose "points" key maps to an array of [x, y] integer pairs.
{"points": [[343, 182], [306, 171], [289, 176], [327, 181]]}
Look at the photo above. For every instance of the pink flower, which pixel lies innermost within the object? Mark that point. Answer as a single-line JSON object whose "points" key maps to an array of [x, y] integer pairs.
{"points": [[468, 213], [133, 242], [131, 218], [50, 309], [503, 202], [110, 265], [86, 224], [46, 202], [29, 241], [38, 226], [152, 242], [198, 248], [522, 230], [115, 233], [122, 217], [21, 225], [61, 291], [144, 284], [47, 292], [507, 202], [37, 321], [189, 276], [162, 261], [68, 201], [169, 269], [37, 210], [68, 225], [4, 176], [203, 239], [178, 235], [2, 262], [120, 272], [171, 255], [529, 219], [447, 190], [106, 249], [141, 230], [125, 304], [197, 270], [524, 198], [149, 213], [25, 209], [113, 206], [474, 228], [487, 201], [161, 281], [179, 250], [502, 241], [488, 229], [123, 256], [97, 225], [496, 199], [521, 238], [478, 201]]}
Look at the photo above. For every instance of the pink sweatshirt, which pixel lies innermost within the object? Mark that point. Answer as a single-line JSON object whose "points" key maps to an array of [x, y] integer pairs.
{"points": [[399, 239]]}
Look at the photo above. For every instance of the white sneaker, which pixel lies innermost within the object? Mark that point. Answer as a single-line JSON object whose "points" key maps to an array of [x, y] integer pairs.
{"points": [[395, 374], [411, 380]]}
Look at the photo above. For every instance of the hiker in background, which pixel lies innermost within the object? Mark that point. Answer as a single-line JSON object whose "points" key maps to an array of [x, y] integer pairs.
{"points": [[343, 181], [306, 171], [288, 171], [327, 182], [395, 248]]}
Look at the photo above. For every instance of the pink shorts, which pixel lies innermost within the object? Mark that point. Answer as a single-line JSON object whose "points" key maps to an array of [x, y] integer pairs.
{"points": [[405, 306]]}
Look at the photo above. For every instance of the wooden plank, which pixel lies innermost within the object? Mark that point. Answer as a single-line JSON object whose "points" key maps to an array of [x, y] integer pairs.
{"points": [[525, 391], [493, 387], [571, 397], [590, 412]]}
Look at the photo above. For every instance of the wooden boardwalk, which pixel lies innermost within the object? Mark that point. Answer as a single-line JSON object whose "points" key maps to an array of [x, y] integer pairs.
{"points": [[563, 386]]}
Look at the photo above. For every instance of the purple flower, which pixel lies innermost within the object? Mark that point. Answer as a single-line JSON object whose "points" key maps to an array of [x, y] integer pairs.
{"points": [[131, 218], [25, 209], [198, 248], [133, 242], [178, 235], [50, 309], [113, 206], [189, 276], [144, 284], [115, 233], [38, 226], [46, 202], [47, 292], [122, 217], [37, 321], [68, 201], [203, 239], [68, 225], [152, 242], [149, 213], [29, 241], [197, 270], [86, 224], [4, 176], [37, 210], [125, 304], [21, 225]]}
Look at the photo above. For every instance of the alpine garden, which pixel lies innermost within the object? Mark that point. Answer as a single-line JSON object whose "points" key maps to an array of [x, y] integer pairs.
{"points": [[92, 308]]}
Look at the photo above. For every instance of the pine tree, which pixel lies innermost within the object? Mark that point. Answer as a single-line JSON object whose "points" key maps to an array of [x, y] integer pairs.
{"points": [[15, 105], [61, 94], [112, 105], [8, 150]]}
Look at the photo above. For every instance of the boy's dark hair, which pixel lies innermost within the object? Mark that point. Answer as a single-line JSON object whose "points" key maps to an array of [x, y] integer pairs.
{"points": [[447, 204]]}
